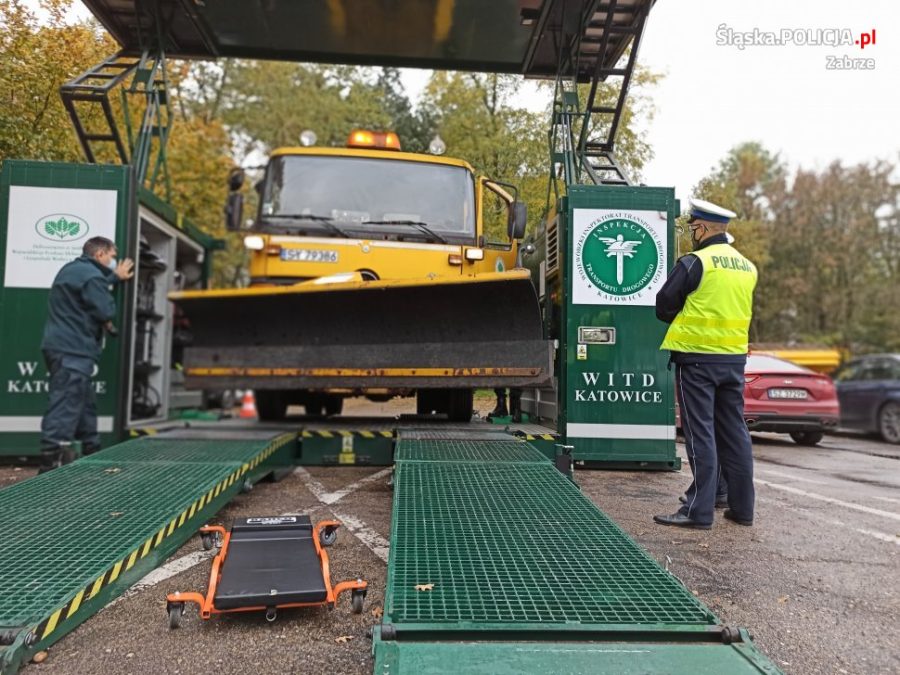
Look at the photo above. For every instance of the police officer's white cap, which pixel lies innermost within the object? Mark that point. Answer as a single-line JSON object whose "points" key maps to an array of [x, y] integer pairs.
{"points": [[704, 210]]}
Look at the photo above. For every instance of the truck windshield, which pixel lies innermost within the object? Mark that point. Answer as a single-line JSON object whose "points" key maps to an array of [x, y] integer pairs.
{"points": [[364, 196]]}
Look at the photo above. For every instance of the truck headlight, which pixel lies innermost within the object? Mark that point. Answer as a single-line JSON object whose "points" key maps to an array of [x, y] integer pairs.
{"points": [[254, 242]]}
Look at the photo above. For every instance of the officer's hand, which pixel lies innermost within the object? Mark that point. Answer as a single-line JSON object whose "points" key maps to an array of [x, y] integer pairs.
{"points": [[125, 269]]}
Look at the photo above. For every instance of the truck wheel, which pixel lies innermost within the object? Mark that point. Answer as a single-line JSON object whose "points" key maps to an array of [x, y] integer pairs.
{"points": [[460, 408], [807, 437], [271, 405], [431, 400], [314, 408], [889, 422], [334, 404]]}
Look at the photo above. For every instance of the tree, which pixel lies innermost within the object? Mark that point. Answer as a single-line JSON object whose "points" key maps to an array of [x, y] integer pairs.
{"points": [[827, 245], [35, 60], [750, 180]]}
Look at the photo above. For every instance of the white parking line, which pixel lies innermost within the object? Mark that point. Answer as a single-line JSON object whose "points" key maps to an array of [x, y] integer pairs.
{"points": [[371, 539], [830, 500], [782, 474], [321, 493], [883, 536], [168, 570]]}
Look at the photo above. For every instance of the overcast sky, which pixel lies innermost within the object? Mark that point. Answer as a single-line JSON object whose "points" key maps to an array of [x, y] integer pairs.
{"points": [[716, 96]]}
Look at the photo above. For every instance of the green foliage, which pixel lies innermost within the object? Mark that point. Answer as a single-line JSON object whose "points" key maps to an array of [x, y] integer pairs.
{"points": [[826, 244], [476, 117], [35, 59]]}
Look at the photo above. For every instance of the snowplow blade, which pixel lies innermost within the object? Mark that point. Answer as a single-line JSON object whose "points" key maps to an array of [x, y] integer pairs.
{"points": [[467, 331]]}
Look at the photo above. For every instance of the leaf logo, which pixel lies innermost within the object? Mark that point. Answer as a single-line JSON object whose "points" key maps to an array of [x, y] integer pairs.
{"points": [[63, 227]]}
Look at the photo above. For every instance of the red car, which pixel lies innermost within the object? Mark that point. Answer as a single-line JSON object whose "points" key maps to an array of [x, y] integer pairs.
{"points": [[783, 397], [786, 398]]}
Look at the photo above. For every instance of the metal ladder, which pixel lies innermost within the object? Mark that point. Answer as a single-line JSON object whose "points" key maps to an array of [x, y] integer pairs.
{"points": [[148, 82], [591, 47]]}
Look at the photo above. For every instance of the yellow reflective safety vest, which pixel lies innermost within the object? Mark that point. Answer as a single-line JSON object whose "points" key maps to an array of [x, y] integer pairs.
{"points": [[716, 317]]}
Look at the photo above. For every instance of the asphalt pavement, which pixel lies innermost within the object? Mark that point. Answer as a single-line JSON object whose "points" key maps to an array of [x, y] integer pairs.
{"points": [[816, 580]]}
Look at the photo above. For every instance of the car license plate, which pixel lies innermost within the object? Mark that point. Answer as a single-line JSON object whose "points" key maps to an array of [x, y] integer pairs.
{"points": [[308, 255], [788, 393]]}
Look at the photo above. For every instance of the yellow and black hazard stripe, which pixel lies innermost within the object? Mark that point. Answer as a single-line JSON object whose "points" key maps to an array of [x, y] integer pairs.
{"points": [[535, 437], [143, 431], [341, 433], [46, 627]]}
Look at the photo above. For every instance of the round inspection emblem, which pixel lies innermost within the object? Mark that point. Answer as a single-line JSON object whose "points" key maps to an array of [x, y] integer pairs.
{"points": [[62, 227], [620, 255]]}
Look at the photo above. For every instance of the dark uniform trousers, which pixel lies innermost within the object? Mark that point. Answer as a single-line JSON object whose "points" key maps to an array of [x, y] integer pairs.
{"points": [[72, 409], [711, 397]]}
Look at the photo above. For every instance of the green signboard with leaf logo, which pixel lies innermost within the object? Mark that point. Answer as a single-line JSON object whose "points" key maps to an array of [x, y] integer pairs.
{"points": [[47, 212]]}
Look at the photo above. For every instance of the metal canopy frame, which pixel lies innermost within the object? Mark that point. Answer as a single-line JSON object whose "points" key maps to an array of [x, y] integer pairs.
{"points": [[578, 43], [582, 136]]}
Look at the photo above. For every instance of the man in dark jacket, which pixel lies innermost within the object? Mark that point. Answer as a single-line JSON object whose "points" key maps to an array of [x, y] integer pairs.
{"points": [[80, 309]]}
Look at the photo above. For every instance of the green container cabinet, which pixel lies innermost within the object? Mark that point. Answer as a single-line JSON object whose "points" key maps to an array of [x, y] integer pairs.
{"points": [[616, 389]]}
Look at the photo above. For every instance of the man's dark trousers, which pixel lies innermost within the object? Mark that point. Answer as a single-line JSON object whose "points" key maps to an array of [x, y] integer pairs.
{"points": [[72, 410], [711, 398]]}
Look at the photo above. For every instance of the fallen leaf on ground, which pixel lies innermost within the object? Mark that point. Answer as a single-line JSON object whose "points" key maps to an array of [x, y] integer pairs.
{"points": [[377, 612], [783, 599], [341, 639], [40, 657], [424, 587], [703, 545]]}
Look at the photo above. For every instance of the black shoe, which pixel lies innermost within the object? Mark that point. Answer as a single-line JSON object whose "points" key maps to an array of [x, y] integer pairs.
{"points": [[680, 520], [721, 502], [734, 519], [500, 410]]}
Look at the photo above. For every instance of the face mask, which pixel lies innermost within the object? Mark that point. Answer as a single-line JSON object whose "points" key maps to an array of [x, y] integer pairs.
{"points": [[112, 264], [695, 231]]}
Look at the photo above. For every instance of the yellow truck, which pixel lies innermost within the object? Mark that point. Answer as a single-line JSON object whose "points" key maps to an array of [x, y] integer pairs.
{"points": [[373, 272]]}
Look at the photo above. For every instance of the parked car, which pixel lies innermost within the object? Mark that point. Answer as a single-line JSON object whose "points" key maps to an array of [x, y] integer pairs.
{"points": [[783, 397], [869, 392]]}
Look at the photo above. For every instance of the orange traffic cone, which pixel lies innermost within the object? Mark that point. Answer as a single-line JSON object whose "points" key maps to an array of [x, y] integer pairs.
{"points": [[248, 406]]}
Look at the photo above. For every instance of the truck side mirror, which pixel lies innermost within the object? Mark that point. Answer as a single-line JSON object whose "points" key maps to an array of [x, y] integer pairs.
{"points": [[234, 211], [518, 217], [235, 180]]}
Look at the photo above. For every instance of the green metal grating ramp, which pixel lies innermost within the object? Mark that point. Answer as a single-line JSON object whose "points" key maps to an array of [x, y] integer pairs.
{"points": [[491, 544], [76, 537], [510, 450]]}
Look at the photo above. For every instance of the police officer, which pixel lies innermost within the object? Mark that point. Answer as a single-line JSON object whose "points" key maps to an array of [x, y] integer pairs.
{"points": [[80, 309], [515, 404], [708, 302]]}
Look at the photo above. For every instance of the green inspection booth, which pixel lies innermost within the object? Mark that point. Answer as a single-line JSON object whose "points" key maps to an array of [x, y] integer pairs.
{"points": [[47, 211]]}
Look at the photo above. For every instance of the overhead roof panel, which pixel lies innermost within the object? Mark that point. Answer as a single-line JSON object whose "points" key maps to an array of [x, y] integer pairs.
{"points": [[506, 36]]}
